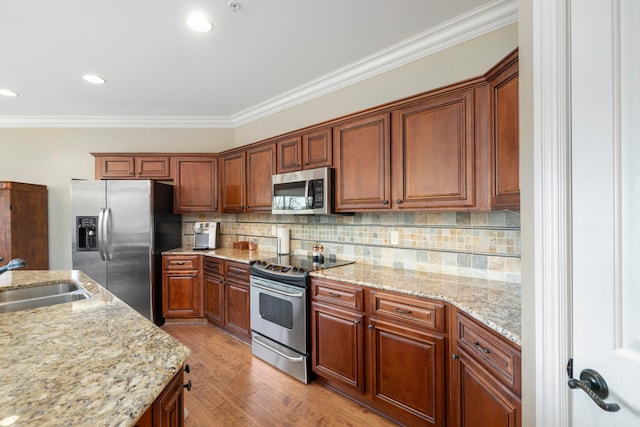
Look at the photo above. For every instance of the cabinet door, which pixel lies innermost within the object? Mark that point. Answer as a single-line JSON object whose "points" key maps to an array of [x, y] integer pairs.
{"points": [[261, 165], [337, 346], [361, 149], [152, 167], [289, 154], [479, 401], [407, 373], [115, 167], [168, 409], [233, 182], [237, 316], [433, 153], [214, 298], [317, 149], [181, 295], [196, 184], [505, 142]]}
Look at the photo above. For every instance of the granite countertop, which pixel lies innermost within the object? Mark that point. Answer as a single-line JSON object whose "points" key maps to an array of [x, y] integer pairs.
{"points": [[93, 362], [493, 303]]}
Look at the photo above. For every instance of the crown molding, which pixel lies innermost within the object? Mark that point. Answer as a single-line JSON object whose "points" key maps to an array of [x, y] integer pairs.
{"points": [[479, 21], [485, 19]]}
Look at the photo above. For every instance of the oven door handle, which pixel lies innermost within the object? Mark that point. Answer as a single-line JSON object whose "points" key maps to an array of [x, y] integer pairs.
{"points": [[279, 353], [286, 294]]}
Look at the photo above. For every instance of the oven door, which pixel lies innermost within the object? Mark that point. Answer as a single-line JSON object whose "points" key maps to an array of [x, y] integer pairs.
{"points": [[279, 312]]}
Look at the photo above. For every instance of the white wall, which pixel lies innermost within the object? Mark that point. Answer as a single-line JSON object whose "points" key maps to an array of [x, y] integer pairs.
{"points": [[54, 156]]}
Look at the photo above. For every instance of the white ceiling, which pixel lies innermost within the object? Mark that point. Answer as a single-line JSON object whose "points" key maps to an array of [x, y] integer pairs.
{"points": [[269, 55]]}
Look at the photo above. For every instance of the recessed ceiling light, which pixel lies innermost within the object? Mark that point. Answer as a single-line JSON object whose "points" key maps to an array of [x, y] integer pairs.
{"points": [[7, 92], [92, 78], [198, 22]]}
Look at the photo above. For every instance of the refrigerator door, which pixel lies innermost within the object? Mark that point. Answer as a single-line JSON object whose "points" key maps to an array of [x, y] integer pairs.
{"points": [[88, 198], [129, 243]]}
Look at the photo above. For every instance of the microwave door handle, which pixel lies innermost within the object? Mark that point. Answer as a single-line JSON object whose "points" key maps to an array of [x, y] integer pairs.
{"points": [[306, 195]]}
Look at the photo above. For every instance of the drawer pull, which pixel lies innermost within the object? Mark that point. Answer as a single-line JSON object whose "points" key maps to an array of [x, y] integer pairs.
{"points": [[333, 294], [481, 348], [187, 385], [402, 311], [180, 262]]}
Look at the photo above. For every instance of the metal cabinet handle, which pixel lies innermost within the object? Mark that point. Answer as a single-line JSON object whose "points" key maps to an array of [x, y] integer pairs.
{"points": [[385, 202], [455, 356], [481, 348], [402, 310], [370, 326], [333, 294], [399, 201], [187, 385], [187, 369], [592, 383], [357, 322], [180, 262]]}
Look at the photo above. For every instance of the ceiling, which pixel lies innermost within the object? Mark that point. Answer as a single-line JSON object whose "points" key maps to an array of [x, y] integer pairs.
{"points": [[266, 56]]}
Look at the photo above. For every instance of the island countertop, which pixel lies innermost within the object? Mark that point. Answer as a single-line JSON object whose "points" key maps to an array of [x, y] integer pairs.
{"points": [[93, 362]]}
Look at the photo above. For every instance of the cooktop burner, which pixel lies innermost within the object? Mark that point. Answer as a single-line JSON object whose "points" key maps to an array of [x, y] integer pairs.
{"points": [[301, 263]]}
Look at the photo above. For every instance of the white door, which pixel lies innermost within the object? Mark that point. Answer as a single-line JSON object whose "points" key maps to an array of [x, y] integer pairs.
{"points": [[605, 63]]}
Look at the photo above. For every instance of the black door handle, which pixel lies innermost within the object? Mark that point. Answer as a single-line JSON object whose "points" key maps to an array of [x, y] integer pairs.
{"points": [[592, 383]]}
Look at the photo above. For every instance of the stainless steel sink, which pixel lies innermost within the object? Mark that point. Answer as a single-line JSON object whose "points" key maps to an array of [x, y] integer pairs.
{"points": [[41, 296], [37, 292]]}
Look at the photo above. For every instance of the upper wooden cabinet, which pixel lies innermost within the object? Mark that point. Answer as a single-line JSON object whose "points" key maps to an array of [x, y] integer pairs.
{"points": [[132, 166], [196, 183], [306, 151], [362, 164], [504, 136], [246, 179], [433, 152]]}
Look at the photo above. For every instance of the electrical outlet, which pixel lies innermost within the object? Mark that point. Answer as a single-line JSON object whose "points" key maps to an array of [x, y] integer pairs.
{"points": [[394, 237]]}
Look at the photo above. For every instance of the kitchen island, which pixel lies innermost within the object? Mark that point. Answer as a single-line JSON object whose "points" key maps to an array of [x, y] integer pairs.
{"points": [[92, 362]]}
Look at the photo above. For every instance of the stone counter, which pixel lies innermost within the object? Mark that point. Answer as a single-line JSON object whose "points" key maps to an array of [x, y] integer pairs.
{"points": [[495, 304], [94, 362]]}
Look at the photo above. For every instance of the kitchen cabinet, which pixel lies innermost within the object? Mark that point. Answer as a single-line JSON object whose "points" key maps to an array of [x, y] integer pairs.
{"points": [[407, 345], [505, 134], [307, 151], [24, 231], [168, 408], [237, 316], [362, 164], [196, 183], [214, 290], [246, 179], [181, 287], [132, 166], [434, 153], [485, 377], [337, 335]]}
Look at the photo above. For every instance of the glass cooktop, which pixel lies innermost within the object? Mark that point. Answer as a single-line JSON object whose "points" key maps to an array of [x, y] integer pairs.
{"points": [[297, 262]]}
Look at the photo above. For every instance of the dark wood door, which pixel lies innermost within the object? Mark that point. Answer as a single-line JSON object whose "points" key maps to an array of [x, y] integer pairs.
{"points": [[261, 165], [213, 298], [168, 409], [181, 296], [337, 347], [152, 167], [196, 184], [407, 373], [361, 149], [237, 304], [109, 167], [434, 153], [233, 185], [317, 149], [505, 136], [478, 400]]}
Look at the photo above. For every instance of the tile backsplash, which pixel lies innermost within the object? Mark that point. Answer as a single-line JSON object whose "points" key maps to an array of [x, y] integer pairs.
{"points": [[470, 244]]}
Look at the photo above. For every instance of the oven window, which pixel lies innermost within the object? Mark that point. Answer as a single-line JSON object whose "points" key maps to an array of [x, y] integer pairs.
{"points": [[276, 310]]}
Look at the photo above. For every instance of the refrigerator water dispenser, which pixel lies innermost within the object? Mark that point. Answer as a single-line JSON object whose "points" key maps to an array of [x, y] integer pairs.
{"points": [[87, 229]]}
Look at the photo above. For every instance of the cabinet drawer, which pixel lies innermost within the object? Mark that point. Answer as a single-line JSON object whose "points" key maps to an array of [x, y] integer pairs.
{"points": [[180, 262], [493, 352], [236, 270], [213, 266], [341, 294], [413, 309]]}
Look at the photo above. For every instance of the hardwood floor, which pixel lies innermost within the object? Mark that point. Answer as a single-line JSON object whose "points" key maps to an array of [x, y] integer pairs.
{"points": [[230, 387]]}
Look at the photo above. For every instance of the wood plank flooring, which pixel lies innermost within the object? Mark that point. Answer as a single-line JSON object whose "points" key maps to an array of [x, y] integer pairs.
{"points": [[230, 387]]}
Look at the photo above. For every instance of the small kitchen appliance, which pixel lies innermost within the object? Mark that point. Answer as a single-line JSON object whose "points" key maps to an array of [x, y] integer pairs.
{"points": [[280, 312], [205, 235]]}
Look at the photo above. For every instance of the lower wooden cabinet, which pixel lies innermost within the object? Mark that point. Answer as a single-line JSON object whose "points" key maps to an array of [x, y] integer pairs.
{"points": [[237, 316], [168, 408], [214, 290], [181, 287]]}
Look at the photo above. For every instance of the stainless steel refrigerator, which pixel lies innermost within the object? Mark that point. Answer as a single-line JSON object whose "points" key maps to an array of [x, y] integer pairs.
{"points": [[120, 228]]}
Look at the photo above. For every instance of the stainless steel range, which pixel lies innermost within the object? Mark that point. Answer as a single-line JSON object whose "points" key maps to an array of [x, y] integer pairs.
{"points": [[280, 309]]}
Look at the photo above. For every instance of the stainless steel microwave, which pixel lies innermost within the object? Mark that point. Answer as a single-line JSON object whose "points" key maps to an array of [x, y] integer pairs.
{"points": [[303, 192]]}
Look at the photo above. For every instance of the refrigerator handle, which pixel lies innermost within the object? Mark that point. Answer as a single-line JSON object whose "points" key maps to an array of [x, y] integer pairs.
{"points": [[108, 234], [101, 242]]}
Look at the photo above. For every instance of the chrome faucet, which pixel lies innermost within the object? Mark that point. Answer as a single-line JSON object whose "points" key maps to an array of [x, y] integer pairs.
{"points": [[12, 265]]}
